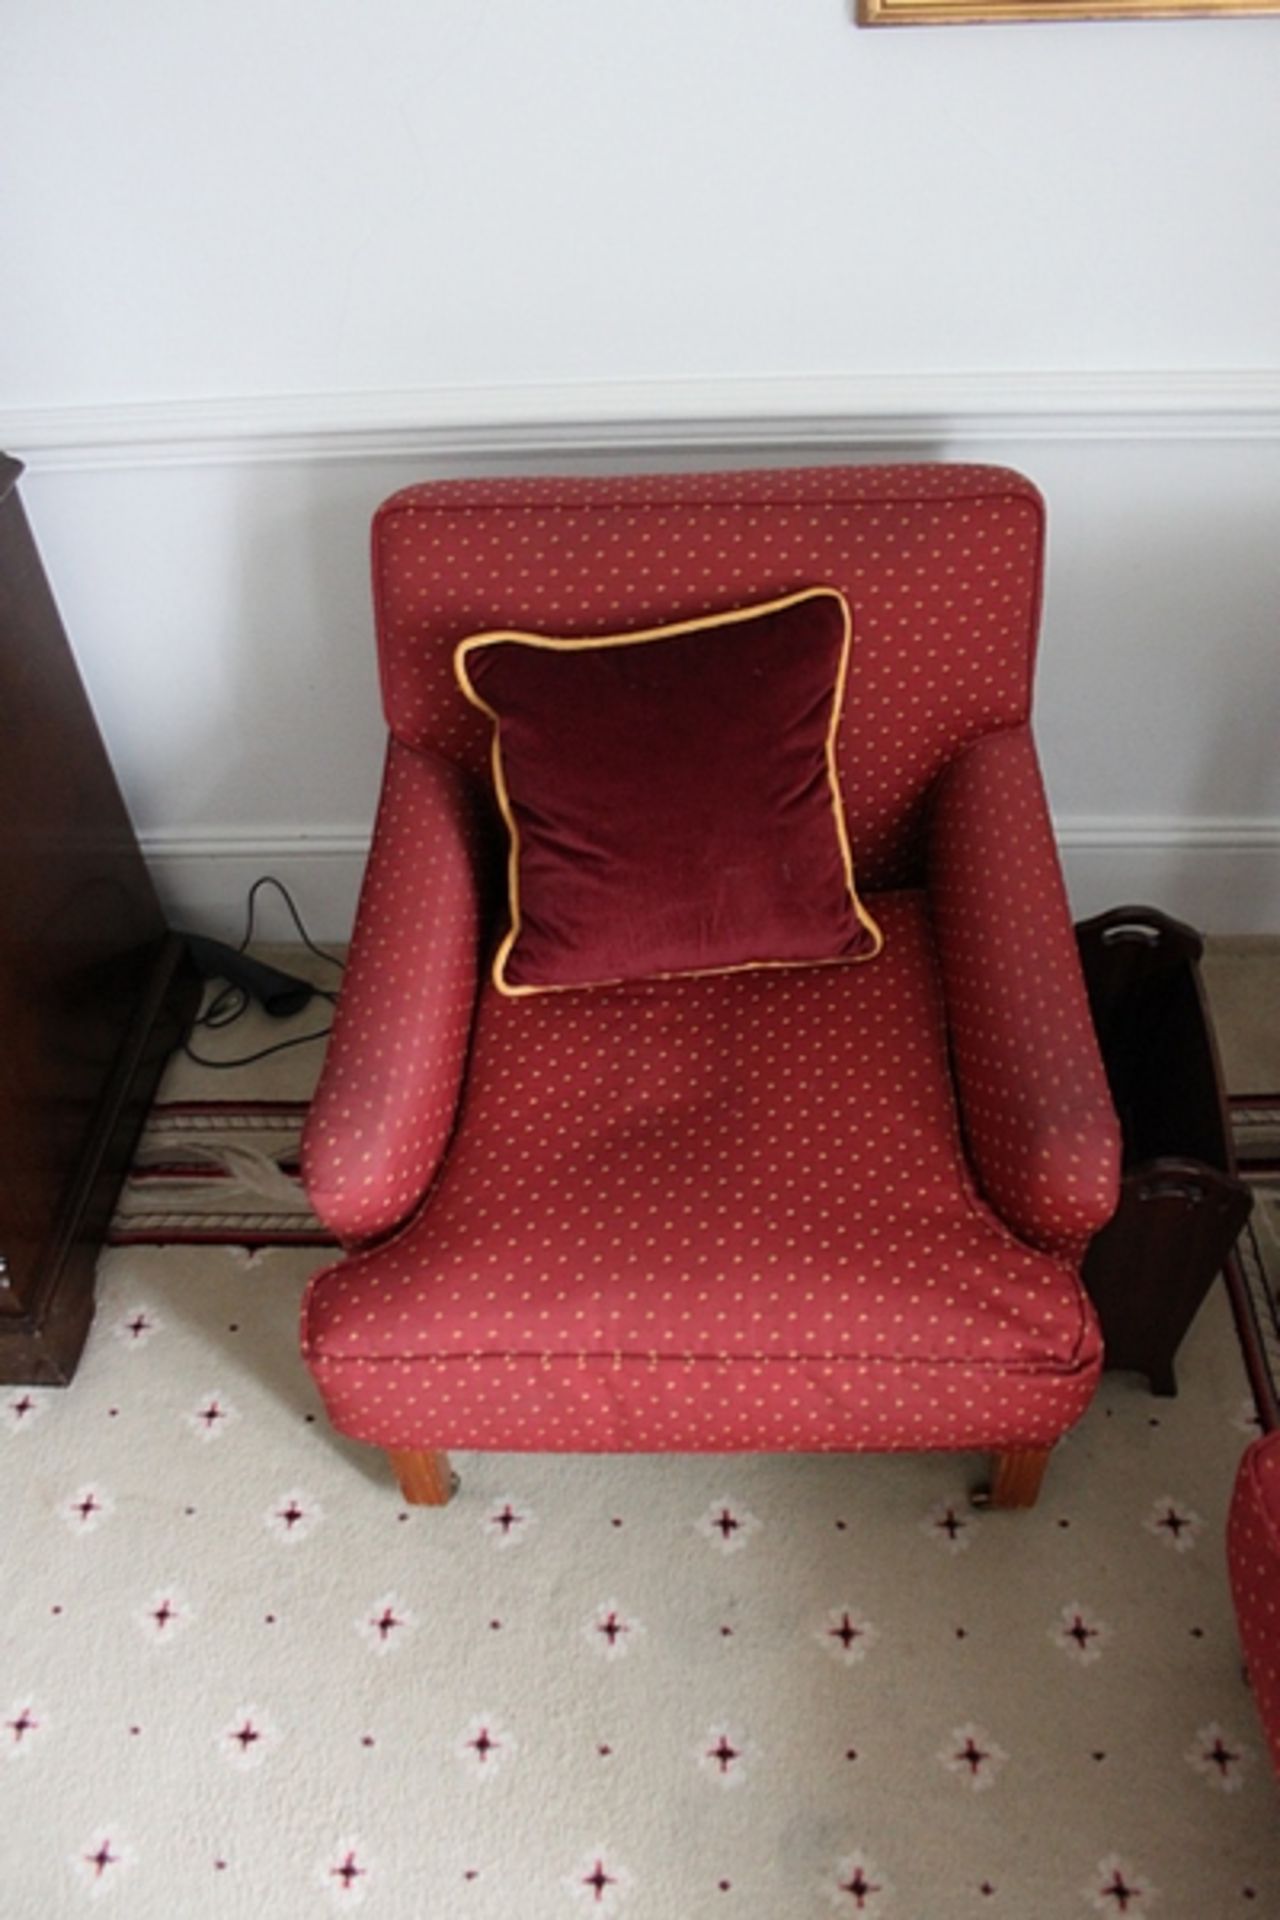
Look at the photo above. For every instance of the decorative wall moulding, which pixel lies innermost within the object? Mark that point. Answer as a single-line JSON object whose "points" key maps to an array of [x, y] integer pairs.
{"points": [[793, 414], [943, 13]]}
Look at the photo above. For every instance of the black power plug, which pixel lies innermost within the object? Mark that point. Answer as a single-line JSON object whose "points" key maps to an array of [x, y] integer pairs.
{"points": [[279, 994]]}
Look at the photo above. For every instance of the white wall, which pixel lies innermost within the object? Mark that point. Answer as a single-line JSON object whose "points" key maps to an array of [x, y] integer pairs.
{"points": [[267, 259]]}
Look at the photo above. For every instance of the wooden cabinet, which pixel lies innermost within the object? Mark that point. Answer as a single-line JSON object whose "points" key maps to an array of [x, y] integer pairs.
{"points": [[94, 991]]}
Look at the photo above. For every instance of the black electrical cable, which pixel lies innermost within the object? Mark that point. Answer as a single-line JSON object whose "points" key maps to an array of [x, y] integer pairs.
{"points": [[227, 1006]]}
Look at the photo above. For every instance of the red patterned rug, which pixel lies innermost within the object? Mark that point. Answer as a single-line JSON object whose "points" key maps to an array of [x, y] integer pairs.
{"points": [[1255, 1125], [218, 1173], [225, 1173]]}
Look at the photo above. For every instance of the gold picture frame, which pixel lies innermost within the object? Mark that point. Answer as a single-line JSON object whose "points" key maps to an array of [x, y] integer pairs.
{"points": [[939, 13]]}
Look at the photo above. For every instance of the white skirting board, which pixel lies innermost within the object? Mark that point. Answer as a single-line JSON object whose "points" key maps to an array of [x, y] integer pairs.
{"points": [[204, 884], [1221, 876], [1220, 884]]}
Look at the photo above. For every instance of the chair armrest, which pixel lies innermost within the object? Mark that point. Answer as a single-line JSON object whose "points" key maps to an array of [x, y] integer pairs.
{"points": [[1042, 1136], [385, 1106]]}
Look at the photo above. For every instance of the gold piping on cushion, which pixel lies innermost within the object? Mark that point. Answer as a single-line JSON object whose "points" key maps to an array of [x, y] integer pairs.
{"points": [[579, 644]]}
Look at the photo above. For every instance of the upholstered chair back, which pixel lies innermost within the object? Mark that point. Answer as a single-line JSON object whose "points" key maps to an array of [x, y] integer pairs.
{"points": [[941, 566]]}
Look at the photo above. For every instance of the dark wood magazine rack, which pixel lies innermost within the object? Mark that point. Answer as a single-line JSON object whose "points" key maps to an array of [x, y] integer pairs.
{"points": [[1181, 1205]]}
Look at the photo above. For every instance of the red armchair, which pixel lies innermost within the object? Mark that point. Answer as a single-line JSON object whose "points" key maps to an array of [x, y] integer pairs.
{"points": [[813, 1208], [1253, 1559]]}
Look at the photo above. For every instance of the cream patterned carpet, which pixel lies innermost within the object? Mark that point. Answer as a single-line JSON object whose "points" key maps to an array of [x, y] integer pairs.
{"points": [[240, 1678]]}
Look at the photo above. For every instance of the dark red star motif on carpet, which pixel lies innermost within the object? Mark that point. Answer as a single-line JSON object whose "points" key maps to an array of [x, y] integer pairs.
{"points": [[951, 1524], [22, 1407], [860, 1889], [163, 1614], [211, 1415], [246, 1735], [1173, 1523], [291, 1514], [1221, 1756], [101, 1859], [599, 1881], [612, 1628], [87, 1506], [507, 1519], [23, 1725], [1081, 1632], [484, 1744], [846, 1633], [724, 1753], [972, 1755], [1118, 1889], [138, 1326], [725, 1524], [348, 1871]]}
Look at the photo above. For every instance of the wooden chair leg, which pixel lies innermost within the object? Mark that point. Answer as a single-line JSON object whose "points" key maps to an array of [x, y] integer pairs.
{"points": [[1015, 1477], [426, 1479]]}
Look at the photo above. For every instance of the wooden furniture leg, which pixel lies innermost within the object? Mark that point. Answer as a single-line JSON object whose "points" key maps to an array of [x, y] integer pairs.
{"points": [[1015, 1478], [426, 1479]]}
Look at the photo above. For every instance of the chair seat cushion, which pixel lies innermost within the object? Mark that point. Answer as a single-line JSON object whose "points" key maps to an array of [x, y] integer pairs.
{"points": [[1253, 1555], [721, 1213]]}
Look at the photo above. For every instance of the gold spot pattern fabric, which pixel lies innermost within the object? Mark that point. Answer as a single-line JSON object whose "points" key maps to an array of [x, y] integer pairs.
{"points": [[724, 1213], [1253, 1555], [1030, 1082], [940, 564], [385, 1105], [821, 1208]]}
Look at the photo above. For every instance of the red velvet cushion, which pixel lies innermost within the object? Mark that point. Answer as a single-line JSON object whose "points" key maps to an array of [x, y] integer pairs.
{"points": [[671, 795]]}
